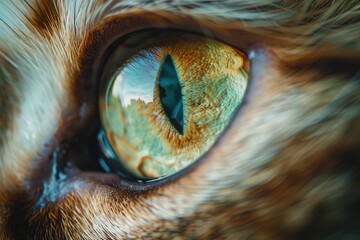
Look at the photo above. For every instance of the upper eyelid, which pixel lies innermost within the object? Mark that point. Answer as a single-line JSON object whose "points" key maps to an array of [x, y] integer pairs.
{"points": [[98, 40], [111, 29]]}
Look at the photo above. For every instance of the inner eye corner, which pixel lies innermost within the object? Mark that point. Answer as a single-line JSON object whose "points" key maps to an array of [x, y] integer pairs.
{"points": [[150, 144]]}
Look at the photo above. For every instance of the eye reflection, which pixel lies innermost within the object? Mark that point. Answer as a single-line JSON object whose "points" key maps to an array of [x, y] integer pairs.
{"points": [[129, 87], [167, 103]]}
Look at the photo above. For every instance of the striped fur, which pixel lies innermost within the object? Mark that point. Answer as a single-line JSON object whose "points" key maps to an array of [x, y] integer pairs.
{"points": [[287, 167]]}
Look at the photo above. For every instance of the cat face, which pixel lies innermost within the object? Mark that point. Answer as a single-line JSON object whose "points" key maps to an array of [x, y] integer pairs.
{"points": [[287, 166]]}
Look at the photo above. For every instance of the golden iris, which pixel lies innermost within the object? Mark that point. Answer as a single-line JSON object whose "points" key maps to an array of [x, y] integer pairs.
{"points": [[166, 100]]}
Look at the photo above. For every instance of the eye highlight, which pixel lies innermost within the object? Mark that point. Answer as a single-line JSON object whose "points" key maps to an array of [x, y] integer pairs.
{"points": [[164, 101]]}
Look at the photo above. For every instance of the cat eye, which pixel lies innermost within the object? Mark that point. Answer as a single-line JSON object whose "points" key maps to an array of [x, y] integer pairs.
{"points": [[165, 98]]}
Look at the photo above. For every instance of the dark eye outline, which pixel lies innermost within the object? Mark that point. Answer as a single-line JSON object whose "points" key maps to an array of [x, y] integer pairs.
{"points": [[94, 53], [108, 159]]}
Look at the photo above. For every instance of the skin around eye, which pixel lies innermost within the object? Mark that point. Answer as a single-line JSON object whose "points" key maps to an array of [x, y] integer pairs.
{"points": [[165, 105]]}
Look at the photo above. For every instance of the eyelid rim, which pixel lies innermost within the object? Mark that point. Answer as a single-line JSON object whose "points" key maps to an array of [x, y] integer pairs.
{"points": [[94, 53]]}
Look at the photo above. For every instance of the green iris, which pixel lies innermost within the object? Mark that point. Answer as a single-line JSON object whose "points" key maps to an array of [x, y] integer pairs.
{"points": [[170, 94], [166, 100]]}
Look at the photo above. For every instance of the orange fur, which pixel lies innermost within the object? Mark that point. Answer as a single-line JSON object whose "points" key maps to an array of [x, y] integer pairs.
{"points": [[286, 168]]}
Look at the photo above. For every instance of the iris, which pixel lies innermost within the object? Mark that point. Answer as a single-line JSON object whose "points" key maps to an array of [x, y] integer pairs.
{"points": [[165, 99]]}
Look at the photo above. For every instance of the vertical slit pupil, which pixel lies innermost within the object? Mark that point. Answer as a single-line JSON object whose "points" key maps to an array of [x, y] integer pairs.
{"points": [[170, 94]]}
